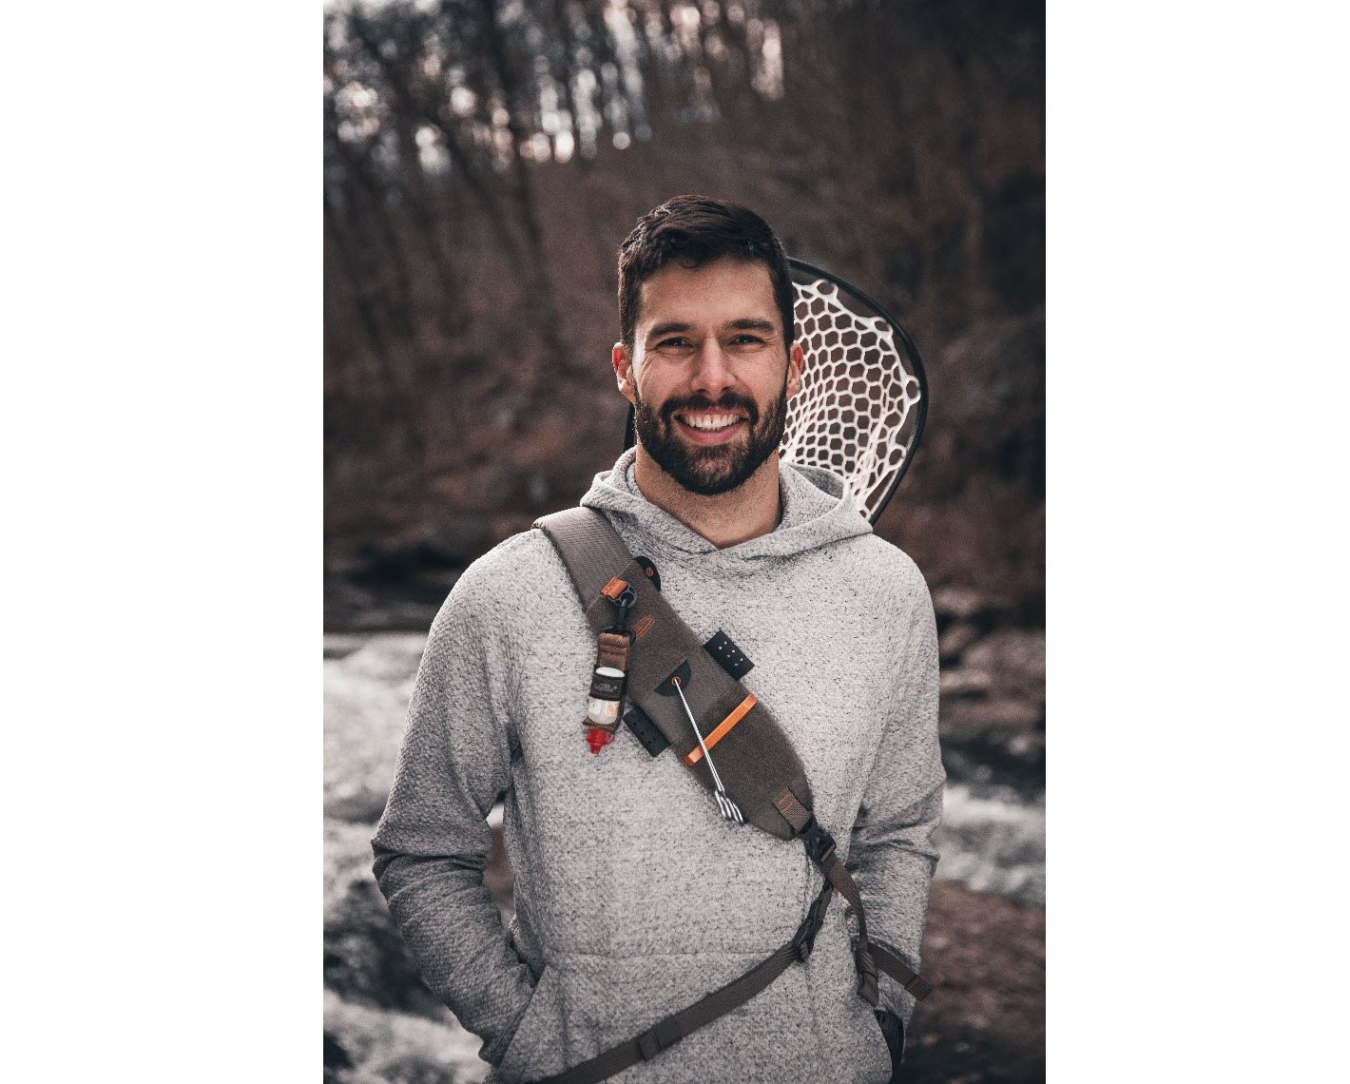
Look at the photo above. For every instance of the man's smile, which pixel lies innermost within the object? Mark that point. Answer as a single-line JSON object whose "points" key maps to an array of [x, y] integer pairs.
{"points": [[710, 426]]}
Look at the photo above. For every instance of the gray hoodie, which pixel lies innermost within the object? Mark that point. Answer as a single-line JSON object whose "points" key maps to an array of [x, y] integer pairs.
{"points": [[634, 898]]}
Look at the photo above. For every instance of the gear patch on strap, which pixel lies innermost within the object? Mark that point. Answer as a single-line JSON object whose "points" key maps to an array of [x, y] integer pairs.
{"points": [[646, 731], [730, 657]]}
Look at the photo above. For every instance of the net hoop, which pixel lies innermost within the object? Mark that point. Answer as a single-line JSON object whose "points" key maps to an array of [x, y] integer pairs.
{"points": [[894, 371]]}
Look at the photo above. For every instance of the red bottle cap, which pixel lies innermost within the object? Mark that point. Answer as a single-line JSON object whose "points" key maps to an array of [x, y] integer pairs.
{"points": [[597, 739]]}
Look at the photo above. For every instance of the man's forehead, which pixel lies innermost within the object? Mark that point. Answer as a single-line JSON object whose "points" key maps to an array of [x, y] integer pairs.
{"points": [[718, 292]]}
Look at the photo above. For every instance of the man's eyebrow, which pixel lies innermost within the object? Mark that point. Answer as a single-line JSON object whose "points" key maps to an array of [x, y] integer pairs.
{"points": [[667, 328], [747, 323]]}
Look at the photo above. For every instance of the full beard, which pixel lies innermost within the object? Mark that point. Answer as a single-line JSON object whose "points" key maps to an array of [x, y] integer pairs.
{"points": [[719, 468]]}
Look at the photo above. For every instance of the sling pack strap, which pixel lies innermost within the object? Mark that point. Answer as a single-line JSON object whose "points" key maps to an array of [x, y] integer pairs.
{"points": [[821, 849], [897, 969], [754, 758], [667, 1032], [761, 764], [759, 767]]}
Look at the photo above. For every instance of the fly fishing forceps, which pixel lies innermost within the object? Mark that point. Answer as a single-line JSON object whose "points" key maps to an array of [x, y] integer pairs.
{"points": [[730, 810]]}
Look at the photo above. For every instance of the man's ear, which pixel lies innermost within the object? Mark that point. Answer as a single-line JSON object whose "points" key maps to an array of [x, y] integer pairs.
{"points": [[623, 372], [796, 361]]}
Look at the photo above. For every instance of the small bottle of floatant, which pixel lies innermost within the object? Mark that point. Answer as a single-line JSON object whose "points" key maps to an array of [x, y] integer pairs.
{"points": [[605, 705]]}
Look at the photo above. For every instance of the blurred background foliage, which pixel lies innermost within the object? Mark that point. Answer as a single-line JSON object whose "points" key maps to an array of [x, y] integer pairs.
{"points": [[483, 159]]}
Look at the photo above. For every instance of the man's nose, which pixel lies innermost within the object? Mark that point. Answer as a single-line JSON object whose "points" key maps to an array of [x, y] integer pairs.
{"points": [[712, 370]]}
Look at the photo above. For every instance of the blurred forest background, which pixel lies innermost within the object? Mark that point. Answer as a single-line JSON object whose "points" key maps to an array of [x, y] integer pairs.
{"points": [[483, 159]]}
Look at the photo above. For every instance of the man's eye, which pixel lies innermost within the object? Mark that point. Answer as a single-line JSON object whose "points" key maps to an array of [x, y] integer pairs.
{"points": [[747, 340], [677, 341]]}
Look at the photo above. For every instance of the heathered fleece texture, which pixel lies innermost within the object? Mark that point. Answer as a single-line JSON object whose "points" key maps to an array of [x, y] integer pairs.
{"points": [[633, 896]]}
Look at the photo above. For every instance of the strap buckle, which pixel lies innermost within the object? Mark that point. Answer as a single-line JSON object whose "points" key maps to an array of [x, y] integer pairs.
{"points": [[818, 842], [623, 602], [804, 940], [661, 1036]]}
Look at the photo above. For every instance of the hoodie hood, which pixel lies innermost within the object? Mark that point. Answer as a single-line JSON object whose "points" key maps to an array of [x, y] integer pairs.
{"points": [[818, 509]]}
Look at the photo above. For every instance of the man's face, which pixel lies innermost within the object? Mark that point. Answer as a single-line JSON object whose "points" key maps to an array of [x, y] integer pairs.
{"points": [[710, 372]]}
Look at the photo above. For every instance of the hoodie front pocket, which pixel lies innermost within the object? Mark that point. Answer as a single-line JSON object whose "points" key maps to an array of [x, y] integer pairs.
{"points": [[536, 1049], [586, 1004]]}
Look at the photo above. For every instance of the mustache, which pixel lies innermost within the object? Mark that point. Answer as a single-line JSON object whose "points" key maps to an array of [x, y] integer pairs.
{"points": [[728, 402]]}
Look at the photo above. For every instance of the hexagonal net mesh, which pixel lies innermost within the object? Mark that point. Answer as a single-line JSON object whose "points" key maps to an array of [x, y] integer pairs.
{"points": [[857, 413]]}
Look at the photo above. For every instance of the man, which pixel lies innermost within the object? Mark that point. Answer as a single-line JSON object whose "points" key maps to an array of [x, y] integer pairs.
{"points": [[634, 897]]}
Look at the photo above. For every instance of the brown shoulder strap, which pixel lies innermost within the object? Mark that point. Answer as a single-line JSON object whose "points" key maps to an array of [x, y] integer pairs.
{"points": [[754, 758], [589, 547]]}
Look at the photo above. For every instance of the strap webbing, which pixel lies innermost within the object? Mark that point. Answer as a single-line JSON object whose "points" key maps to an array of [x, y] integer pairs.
{"points": [[897, 969], [821, 849], [667, 1032], [590, 548]]}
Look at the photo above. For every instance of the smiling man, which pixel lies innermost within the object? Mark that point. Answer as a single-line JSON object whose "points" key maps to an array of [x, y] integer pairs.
{"points": [[710, 333], [636, 896]]}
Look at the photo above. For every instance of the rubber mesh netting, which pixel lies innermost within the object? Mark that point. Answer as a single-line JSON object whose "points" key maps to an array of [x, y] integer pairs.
{"points": [[855, 414]]}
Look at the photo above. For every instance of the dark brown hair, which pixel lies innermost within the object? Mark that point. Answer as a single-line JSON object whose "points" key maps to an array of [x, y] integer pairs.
{"points": [[695, 230]]}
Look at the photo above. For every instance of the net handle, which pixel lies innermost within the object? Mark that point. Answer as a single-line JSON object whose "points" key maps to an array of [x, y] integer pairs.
{"points": [[794, 264]]}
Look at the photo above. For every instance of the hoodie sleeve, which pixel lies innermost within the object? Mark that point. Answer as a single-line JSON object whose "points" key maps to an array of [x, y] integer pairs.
{"points": [[891, 854], [432, 843]]}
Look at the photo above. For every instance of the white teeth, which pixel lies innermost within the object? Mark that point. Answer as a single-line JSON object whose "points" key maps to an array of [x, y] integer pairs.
{"points": [[710, 421]]}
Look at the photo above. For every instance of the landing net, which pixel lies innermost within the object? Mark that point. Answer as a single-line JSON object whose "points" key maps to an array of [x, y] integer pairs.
{"points": [[860, 410]]}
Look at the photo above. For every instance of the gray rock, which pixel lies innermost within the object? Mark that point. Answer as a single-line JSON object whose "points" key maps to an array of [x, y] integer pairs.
{"points": [[364, 957], [955, 640], [965, 681], [956, 603], [335, 1058], [384, 1047], [339, 646], [1019, 652], [992, 710]]}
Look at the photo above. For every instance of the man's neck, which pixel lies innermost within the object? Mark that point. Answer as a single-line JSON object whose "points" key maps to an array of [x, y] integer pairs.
{"points": [[727, 519]]}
